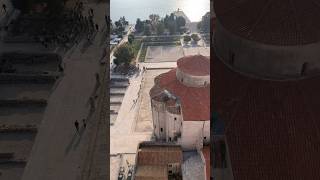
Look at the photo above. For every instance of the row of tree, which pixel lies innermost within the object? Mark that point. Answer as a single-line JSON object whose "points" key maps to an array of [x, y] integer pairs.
{"points": [[157, 25], [119, 26]]}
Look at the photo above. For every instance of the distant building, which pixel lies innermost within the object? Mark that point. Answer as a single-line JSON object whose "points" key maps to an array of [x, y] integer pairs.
{"points": [[180, 101]]}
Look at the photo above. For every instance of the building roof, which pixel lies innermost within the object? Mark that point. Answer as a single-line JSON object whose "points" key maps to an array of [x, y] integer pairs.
{"points": [[196, 65], [279, 22], [195, 101], [159, 155], [151, 173], [271, 127]]}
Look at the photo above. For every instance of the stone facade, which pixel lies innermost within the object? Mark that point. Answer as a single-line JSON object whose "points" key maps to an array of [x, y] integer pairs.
{"points": [[171, 124], [271, 61]]}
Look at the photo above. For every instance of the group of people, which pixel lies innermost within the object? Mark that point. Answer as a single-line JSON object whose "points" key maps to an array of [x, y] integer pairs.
{"points": [[73, 26], [76, 124]]}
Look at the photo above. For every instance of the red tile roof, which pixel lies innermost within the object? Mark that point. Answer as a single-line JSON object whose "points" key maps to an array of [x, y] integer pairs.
{"points": [[159, 155], [280, 22], [195, 102], [272, 127], [196, 65]]}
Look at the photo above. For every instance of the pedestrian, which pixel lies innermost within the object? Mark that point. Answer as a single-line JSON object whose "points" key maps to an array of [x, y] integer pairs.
{"points": [[76, 124], [4, 8], [97, 77], [97, 27], [60, 67], [84, 123], [92, 104]]}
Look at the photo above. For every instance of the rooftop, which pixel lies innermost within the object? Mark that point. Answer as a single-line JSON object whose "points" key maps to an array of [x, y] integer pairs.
{"points": [[196, 65], [195, 102], [270, 126], [285, 22]]}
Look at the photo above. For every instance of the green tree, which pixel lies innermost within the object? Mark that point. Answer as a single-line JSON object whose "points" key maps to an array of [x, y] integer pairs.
{"points": [[186, 39], [139, 26], [180, 21], [195, 37], [147, 29], [123, 55], [172, 27], [154, 18], [130, 38], [160, 28]]}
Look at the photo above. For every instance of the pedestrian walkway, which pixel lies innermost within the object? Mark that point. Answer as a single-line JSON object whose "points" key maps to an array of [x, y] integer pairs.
{"points": [[59, 152]]}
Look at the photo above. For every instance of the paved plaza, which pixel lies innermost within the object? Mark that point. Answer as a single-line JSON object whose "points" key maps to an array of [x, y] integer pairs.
{"points": [[163, 53], [144, 116]]}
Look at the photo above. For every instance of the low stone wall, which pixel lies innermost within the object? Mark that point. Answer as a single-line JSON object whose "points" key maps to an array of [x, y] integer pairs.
{"points": [[24, 78], [22, 102], [18, 128]]}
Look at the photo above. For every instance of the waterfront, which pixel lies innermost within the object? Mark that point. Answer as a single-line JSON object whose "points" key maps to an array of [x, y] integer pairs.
{"points": [[133, 9]]}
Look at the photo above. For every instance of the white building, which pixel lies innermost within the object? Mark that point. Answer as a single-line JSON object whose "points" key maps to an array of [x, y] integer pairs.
{"points": [[180, 101]]}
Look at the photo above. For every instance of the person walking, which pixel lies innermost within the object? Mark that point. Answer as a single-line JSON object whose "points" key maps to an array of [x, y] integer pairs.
{"points": [[4, 7], [97, 27], [84, 123], [76, 124]]}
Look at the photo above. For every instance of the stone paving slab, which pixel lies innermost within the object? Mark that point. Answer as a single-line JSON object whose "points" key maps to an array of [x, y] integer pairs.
{"points": [[163, 53], [144, 117]]}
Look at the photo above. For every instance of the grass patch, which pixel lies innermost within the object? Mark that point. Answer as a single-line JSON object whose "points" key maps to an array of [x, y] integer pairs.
{"points": [[143, 53]]}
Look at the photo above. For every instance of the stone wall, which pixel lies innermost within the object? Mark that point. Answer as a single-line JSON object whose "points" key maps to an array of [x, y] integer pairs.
{"points": [[264, 60], [192, 81]]}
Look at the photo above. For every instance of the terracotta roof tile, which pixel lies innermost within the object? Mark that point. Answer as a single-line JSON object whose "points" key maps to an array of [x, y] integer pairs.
{"points": [[196, 65], [159, 155], [272, 127], [285, 22], [195, 102]]}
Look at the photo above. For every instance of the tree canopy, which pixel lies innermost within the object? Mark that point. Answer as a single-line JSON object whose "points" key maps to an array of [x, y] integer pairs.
{"points": [[123, 55], [130, 38], [186, 38], [195, 37], [139, 26]]}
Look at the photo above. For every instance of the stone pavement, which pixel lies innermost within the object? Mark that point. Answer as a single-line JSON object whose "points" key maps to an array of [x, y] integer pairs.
{"points": [[59, 152], [124, 138]]}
